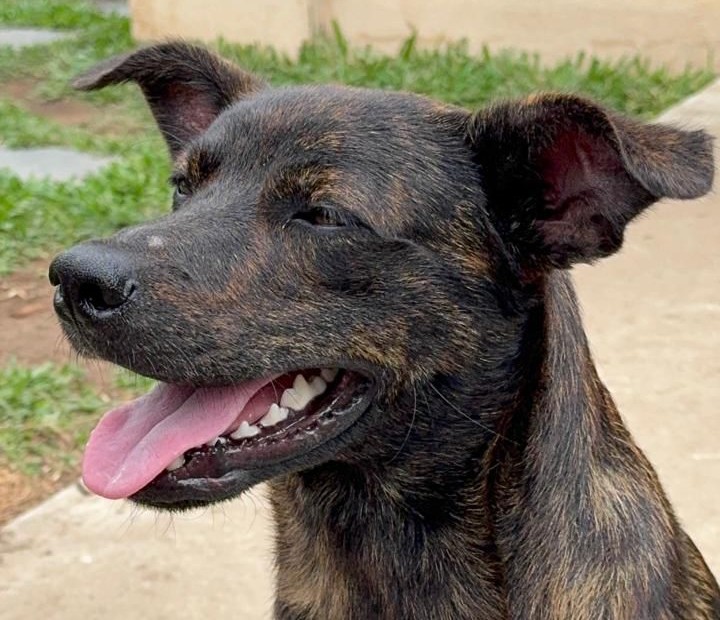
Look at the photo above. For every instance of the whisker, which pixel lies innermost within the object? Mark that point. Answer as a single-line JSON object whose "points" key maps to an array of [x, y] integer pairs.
{"points": [[412, 423], [466, 416]]}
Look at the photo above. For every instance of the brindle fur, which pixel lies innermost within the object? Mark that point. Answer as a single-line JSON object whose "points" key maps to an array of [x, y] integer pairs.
{"points": [[492, 478]]}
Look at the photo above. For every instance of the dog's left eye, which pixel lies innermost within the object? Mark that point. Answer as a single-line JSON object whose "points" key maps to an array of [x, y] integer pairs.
{"points": [[327, 217]]}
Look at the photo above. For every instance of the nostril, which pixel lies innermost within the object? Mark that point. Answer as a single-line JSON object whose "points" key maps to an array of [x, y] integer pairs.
{"points": [[104, 297], [53, 274]]}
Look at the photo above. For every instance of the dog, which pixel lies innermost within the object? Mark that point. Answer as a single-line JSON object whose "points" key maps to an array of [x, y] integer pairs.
{"points": [[361, 297]]}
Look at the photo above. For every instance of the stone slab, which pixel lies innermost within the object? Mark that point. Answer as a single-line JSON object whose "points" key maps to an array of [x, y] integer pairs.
{"points": [[113, 7], [282, 24], [54, 163], [25, 37]]}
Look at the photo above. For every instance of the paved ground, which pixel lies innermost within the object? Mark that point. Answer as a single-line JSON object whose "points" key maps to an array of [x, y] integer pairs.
{"points": [[653, 314]]}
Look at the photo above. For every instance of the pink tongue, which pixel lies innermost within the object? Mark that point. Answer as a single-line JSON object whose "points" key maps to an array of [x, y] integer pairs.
{"points": [[133, 443]]}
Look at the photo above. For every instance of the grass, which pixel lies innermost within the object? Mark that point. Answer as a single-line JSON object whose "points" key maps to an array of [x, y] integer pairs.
{"points": [[46, 411], [39, 215]]}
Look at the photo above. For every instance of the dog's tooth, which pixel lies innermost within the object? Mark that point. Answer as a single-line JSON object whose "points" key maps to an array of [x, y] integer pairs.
{"points": [[303, 389], [300, 384], [294, 399], [318, 386], [245, 430], [213, 442], [177, 463], [329, 374], [274, 415], [268, 419], [290, 399]]}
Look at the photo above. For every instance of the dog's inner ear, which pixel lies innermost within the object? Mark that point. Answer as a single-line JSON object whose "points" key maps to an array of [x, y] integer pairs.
{"points": [[185, 86], [563, 177]]}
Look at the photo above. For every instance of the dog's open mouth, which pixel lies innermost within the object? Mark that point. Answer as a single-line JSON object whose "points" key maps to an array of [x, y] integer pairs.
{"points": [[179, 443]]}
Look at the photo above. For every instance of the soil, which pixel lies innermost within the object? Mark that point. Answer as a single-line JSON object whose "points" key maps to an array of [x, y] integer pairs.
{"points": [[64, 112], [30, 332], [19, 492], [72, 112], [31, 335]]}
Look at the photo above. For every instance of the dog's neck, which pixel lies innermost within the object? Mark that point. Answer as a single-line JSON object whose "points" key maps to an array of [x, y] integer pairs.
{"points": [[543, 496]]}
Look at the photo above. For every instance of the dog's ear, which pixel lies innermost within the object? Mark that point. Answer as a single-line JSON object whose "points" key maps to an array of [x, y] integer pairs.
{"points": [[563, 177], [185, 86]]}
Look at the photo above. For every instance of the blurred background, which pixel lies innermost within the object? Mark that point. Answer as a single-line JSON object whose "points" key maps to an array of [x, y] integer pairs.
{"points": [[79, 165]]}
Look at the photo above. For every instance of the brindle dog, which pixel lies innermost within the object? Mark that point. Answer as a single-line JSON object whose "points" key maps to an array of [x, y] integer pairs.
{"points": [[462, 458]]}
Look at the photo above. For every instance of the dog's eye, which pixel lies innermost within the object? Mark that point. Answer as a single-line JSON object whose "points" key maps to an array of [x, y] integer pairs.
{"points": [[182, 188], [327, 217]]}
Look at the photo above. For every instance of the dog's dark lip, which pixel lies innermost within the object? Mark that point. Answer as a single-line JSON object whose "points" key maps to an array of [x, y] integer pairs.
{"points": [[220, 472]]}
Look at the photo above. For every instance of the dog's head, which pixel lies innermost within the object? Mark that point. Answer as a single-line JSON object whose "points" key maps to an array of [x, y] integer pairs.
{"points": [[330, 252]]}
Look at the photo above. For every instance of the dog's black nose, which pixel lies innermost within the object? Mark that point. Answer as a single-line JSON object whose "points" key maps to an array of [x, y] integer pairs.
{"points": [[92, 282]]}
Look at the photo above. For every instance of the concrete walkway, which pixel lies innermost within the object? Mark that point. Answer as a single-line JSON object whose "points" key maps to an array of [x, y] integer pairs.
{"points": [[653, 314]]}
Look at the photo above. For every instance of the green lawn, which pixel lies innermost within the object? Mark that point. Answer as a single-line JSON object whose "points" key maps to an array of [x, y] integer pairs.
{"points": [[45, 411]]}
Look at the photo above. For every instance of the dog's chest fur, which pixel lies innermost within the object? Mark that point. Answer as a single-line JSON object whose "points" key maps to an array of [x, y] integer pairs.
{"points": [[340, 557]]}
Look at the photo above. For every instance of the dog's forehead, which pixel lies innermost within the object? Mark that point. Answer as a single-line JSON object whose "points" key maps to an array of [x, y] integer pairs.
{"points": [[334, 119]]}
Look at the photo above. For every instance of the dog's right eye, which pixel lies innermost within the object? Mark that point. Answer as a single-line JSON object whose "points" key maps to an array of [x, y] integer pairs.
{"points": [[329, 218], [181, 187]]}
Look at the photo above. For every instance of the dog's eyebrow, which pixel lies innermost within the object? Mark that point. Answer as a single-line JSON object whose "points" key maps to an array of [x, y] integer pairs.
{"points": [[310, 179], [195, 165]]}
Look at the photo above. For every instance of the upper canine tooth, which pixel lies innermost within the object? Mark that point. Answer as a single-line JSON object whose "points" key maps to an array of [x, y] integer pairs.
{"points": [[318, 386], [245, 430], [274, 415], [303, 389], [329, 374]]}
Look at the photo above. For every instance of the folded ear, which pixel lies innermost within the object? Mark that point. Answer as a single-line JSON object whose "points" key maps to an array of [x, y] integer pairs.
{"points": [[185, 86], [563, 177]]}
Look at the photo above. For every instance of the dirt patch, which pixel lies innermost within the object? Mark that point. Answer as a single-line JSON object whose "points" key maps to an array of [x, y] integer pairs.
{"points": [[109, 120], [30, 331], [63, 111], [19, 492], [31, 335]]}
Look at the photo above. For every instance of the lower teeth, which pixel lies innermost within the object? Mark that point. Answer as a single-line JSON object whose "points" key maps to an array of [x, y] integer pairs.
{"points": [[177, 463], [245, 430]]}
